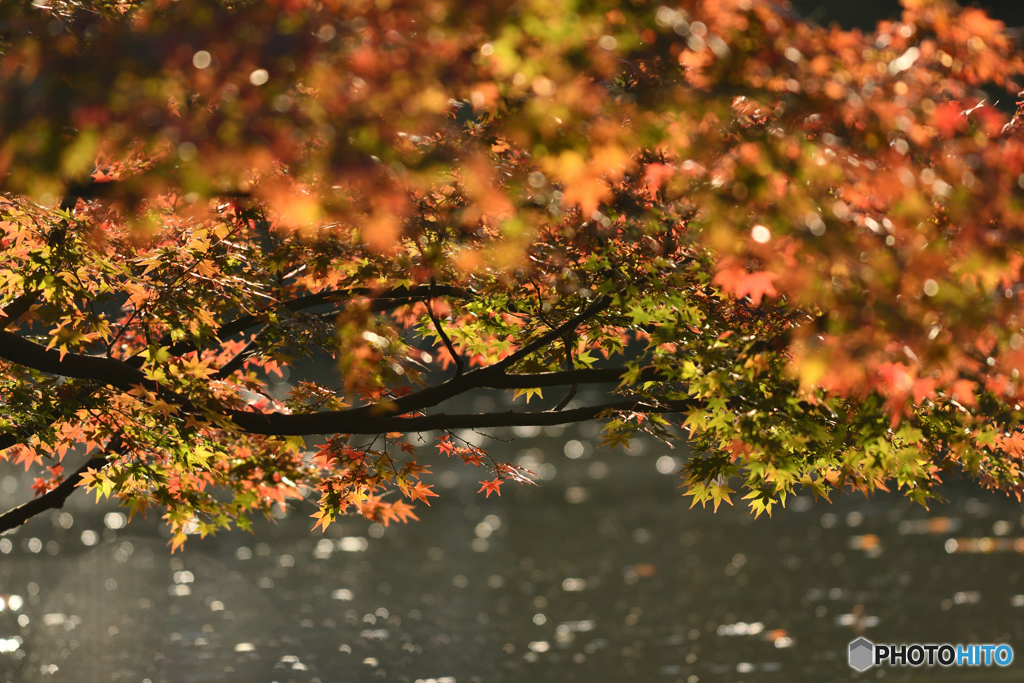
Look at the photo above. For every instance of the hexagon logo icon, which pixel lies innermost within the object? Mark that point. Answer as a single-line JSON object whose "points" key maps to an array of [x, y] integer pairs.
{"points": [[862, 654]]}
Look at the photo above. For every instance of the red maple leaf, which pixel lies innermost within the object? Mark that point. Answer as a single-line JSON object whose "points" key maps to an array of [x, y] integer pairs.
{"points": [[325, 456], [384, 513], [471, 459], [491, 486], [40, 486]]}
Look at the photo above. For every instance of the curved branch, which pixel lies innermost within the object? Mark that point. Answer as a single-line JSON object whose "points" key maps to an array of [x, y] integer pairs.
{"points": [[540, 342], [565, 399], [51, 500], [429, 303]]}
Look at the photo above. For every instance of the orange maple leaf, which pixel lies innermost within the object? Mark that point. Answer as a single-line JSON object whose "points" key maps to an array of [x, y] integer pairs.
{"points": [[323, 519], [734, 279], [491, 486], [413, 469], [27, 456], [325, 456], [403, 511], [421, 491]]}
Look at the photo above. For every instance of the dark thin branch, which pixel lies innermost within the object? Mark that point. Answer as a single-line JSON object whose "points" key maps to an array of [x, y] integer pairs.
{"points": [[565, 328], [569, 367], [357, 420], [444, 337], [540, 380], [379, 301], [565, 401], [51, 500]]}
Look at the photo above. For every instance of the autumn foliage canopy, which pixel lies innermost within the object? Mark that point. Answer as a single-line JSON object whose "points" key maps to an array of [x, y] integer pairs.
{"points": [[797, 248]]}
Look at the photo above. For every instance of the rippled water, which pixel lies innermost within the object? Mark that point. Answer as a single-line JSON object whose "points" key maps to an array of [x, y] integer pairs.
{"points": [[601, 573]]}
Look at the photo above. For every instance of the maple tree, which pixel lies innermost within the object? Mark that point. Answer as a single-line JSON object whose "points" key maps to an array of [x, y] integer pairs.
{"points": [[795, 247]]}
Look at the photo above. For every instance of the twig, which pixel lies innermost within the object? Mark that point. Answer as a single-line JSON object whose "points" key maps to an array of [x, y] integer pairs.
{"points": [[444, 336]]}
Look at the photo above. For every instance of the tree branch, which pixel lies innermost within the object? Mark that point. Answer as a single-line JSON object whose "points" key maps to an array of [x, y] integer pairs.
{"points": [[278, 424], [565, 400], [120, 375], [571, 324], [112, 371], [379, 301], [569, 367], [429, 302], [51, 500]]}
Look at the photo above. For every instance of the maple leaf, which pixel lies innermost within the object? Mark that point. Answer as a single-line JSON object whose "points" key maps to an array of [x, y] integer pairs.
{"points": [[403, 511], [385, 512], [528, 393], [421, 491], [40, 486], [963, 391], [736, 280], [491, 486], [27, 456], [413, 469], [325, 456], [445, 445], [137, 505], [471, 459], [177, 541], [323, 518]]}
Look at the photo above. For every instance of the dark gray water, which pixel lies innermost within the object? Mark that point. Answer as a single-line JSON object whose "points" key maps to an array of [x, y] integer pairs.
{"points": [[601, 573]]}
